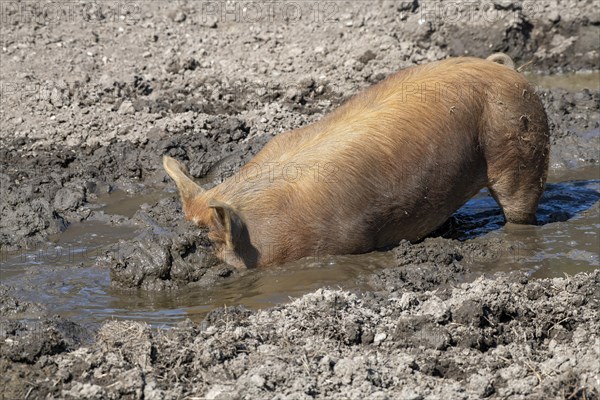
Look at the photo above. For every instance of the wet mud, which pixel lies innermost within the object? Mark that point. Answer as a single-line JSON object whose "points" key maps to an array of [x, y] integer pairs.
{"points": [[507, 337], [107, 292]]}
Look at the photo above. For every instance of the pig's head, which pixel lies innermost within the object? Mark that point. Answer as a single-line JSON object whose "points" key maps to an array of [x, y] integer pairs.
{"points": [[226, 227]]}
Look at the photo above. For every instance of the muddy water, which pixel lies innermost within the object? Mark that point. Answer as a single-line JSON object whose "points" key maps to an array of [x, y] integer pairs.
{"points": [[567, 240], [62, 275], [120, 202], [573, 82]]}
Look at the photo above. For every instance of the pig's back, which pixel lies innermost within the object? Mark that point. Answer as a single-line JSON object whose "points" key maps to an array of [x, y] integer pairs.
{"points": [[398, 159]]}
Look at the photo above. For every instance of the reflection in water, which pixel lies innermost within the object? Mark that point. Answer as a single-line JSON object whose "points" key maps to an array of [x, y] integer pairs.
{"points": [[63, 277], [560, 202], [563, 201], [566, 239]]}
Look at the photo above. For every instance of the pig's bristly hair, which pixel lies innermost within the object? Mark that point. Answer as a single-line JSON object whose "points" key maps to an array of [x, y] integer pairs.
{"points": [[407, 152], [377, 124]]}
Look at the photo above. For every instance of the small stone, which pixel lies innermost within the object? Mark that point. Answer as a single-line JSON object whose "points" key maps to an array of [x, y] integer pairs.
{"points": [[553, 16], [258, 380], [126, 108], [366, 57], [179, 16], [380, 337], [409, 394]]}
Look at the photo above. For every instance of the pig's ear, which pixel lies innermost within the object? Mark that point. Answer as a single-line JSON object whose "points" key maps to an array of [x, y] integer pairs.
{"points": [[228, 222], [188, 189]]}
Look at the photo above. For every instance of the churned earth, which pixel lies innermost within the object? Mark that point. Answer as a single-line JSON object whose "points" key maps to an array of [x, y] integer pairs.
{"points": [[94, 94], [500, 338]]}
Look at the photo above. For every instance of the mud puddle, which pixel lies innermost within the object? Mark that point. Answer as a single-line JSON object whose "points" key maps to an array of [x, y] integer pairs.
{"points": [[254, 289], [573, 82], [567, 240], [62, 274], [122, 203]]}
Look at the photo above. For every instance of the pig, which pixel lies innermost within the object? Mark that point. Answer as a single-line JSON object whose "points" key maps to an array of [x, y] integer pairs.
{"points": [[391, 163]]}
